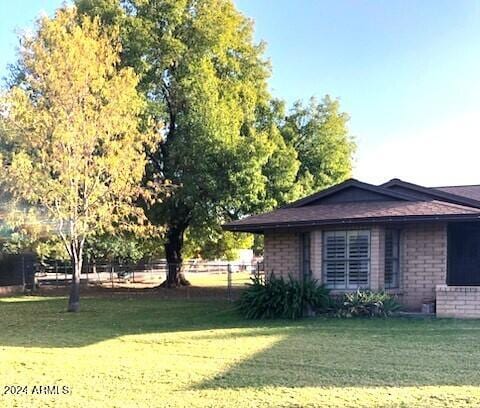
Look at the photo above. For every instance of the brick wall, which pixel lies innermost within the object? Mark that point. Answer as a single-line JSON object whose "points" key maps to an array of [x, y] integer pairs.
{"points": [[316, 254], [423, 255], [282, 254], [377, 258], [458, 301], [423, 262]]}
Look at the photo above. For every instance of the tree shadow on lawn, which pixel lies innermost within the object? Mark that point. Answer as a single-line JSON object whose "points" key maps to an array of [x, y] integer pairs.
{"points": [[362, 353], [43, 321], [317, 352]]}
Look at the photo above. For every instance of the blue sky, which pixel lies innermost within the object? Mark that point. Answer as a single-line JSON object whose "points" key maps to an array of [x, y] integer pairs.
{"points": [[406, 71]]}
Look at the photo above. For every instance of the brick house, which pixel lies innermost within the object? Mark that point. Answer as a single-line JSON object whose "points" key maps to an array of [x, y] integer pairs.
{"points": [[421, 244]]}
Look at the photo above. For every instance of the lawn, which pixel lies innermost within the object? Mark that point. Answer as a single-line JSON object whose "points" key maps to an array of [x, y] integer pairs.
{"points": [[150, 352]]}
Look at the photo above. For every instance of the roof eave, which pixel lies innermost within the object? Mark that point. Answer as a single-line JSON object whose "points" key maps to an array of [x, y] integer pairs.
{"points": [[261, 227]]}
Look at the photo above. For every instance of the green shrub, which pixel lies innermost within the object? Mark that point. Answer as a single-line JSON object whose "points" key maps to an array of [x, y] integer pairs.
{"points": [[279, 298], [367, 304]]}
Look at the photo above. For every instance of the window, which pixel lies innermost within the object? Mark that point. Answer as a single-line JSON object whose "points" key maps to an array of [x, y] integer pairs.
{"points": [[392, 251], [305, 241], [463, 254], [346, 259]]}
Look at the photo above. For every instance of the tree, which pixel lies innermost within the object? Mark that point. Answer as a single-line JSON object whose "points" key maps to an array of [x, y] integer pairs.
{"points": [[205, 79], [227, 149], [72, 149], [319, 134], [216, 245], [124, 247]]}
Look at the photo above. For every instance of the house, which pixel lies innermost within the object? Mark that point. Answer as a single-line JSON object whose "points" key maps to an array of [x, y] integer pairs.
{"points": [[420, 243]]}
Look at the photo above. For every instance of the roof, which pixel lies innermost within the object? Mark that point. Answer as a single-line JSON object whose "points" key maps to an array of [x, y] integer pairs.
{"points": [[365, 203], [385, 192], [472, 192], [430, 192], [361, 212]]}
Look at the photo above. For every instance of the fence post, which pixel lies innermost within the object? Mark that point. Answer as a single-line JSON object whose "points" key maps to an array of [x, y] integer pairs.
{"points": [[56, 273], [24, 281], [229, 282], [111, 274]]}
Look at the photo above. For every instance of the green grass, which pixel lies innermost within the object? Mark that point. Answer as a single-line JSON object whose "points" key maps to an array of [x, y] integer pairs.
{"points": [[147, 352], [238, 279]]}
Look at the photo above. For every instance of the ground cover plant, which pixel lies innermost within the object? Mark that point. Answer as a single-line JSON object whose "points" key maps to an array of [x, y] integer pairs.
{"points": [[145, 351], [292, 299], [366, 303], [283, 298]]}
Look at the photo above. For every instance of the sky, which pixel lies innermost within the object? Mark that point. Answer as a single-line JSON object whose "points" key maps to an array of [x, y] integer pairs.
{"points": [[407, 72]]}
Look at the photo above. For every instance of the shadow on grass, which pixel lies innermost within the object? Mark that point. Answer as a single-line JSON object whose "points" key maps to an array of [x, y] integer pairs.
{"points": [[317, 352], [362, 353], [43, 321]]}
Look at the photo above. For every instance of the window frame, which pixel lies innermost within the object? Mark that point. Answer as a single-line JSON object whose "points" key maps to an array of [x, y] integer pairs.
{"points": [[305, 254], [395, 260], [347, 259]]}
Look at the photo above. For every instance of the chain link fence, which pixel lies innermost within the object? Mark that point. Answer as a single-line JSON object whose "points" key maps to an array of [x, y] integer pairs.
{"points": [[227, 278]]}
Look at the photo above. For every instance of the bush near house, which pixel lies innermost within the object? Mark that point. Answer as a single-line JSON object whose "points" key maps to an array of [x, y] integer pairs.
{"points": [[366, 304], [280, 298], [293, 299]]}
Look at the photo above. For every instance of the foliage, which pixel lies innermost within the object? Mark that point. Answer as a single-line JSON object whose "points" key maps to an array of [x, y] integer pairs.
{"points": [[204, 79], [226, 149], [217, 245], [292, 298], [52, 248], [17, 241], [123, 247], [279, 298], [366, 304], [314, 149], [72, 148], [318, 132]]}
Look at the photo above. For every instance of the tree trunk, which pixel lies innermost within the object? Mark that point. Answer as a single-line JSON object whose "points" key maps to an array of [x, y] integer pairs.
{"points": [[74, 300], [76, 256], [173, 253]]}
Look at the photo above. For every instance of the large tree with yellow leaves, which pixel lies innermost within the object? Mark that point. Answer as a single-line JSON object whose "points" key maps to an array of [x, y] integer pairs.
{"points": [[72, 149]]}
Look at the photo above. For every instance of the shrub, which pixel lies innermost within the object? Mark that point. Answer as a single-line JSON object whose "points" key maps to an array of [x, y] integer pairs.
{"points": [[366, 303], [279, 298]]}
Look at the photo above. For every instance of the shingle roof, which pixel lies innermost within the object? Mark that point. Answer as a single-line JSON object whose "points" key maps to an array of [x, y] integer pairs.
{"points": [[433, 193], [354, 212], [472, 192]]}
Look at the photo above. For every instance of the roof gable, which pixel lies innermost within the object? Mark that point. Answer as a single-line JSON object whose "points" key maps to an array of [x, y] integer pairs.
{"points": [[432, 193], [351, 191]]}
